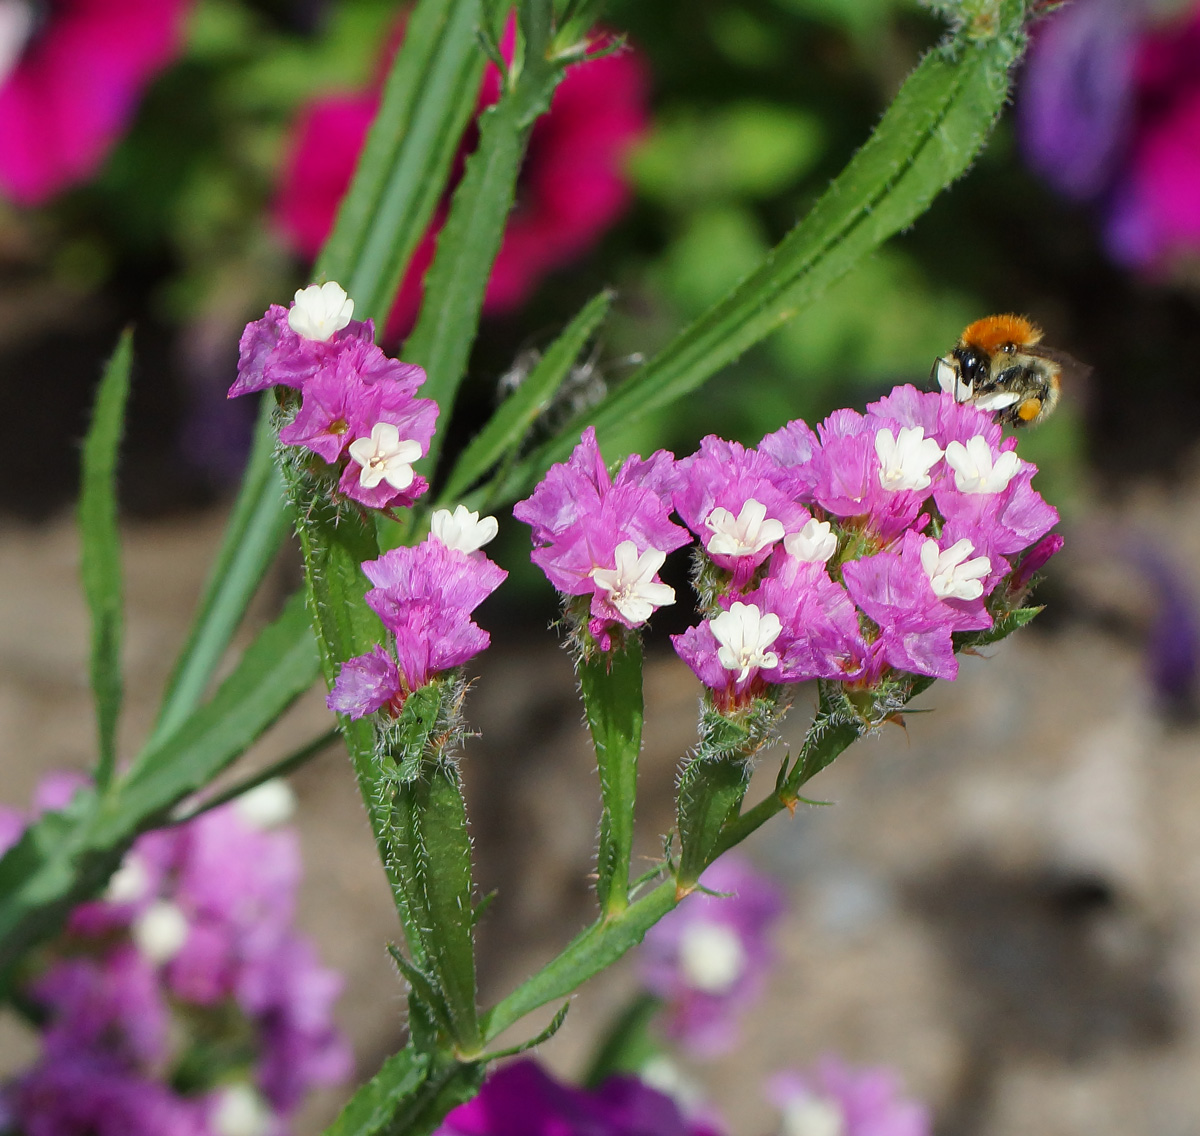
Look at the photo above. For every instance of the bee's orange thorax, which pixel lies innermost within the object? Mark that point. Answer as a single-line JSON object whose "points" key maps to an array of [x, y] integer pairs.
{"points": [[992, 332]]}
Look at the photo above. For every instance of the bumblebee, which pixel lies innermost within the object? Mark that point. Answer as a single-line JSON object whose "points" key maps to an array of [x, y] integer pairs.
{"points": [[999, 365]]}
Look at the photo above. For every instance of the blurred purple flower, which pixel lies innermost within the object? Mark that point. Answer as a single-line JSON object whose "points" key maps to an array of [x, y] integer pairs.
{"points": [[835, 1098], [521, 1099], [707, 960], [71, 74], [1110, 113]]}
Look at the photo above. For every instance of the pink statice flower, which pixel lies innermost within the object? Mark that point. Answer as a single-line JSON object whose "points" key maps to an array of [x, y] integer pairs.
{"points": [[197, 925], [890, 532], [572, 189], [919, 596], [835, 1097], [357, 411], [522, 1099], [606, 537], [424, 596], [71, 75], [707, 960], [739, 503]]}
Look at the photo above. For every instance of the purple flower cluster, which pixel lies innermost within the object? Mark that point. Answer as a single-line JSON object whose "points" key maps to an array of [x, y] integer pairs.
{"points": [[853, 1102], [425, 596], [707, 960], [838, 554], [606, 538], [357, 411], [183, 1002], [521, 1099]]}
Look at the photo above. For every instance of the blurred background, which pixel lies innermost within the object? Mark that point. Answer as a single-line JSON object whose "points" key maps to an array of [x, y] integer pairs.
{"points": [[1005, 903]]}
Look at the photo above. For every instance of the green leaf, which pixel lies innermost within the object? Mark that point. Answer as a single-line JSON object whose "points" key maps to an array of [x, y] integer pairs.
{"points": [[429, 98], [928, 138], [555, 1025], [467, 245], [279, 666], [511, 423], [371, 1110], [626, 1045], [1001, 629], [611, 685], [417, 720], [432, 852], [252, 537], [711, 791], [100, 555]]}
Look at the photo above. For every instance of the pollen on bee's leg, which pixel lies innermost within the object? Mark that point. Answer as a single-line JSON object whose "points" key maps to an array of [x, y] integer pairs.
{"points": [[1029, 409]]}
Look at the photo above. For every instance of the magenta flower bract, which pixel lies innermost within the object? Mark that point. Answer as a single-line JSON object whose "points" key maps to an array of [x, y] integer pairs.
{"points": [[834, 1097], [707, 960], [74, 86], [580, 515], [915, 624], [521, 1099], [573, 186], [425, 596]]}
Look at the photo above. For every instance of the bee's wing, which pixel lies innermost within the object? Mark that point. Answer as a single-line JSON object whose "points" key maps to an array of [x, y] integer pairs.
{"points": [[1070, 368]]}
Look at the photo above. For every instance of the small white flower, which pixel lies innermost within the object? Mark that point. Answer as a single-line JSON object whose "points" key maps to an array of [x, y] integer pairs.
{"points": [[241, 1111], [320, 311], [814, 544], [810, 1115], [976, 471], [630, 585], [951, 574], [129, 882], [16, 28], [462, 529], [905, 461], [744, 633], [384, 457], [160, 931], [711, 957], [267, 805], [744, 535]]}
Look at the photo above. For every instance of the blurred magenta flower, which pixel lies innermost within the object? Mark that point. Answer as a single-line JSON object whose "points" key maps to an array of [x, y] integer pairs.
{"points": [[572, 187], [71, 74], [835, 1098], [1109, 113], [521, 1099], [708, 959], [183, 994]]}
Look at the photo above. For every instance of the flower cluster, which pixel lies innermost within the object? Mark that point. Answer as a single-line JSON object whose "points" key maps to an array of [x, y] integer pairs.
{"points": [[356, 411], [572, 188], [847, 554], [425, 596], [606, 537], [1109, 114], [183, 1001], [707, 959], [835, 1098]]}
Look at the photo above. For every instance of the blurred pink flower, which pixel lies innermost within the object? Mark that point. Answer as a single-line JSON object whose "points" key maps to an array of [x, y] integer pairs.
{"points": [[70, 82], [572, 188]]}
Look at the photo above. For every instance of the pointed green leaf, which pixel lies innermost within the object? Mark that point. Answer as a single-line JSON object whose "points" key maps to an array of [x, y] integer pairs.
{"points": [[555, 1025], [511, 423], [928, 137], [1003, 627], [626, 1045], [100, 555], [429, 98], [467, 245], [372, 1108], [611, 685], [252, 537]]}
